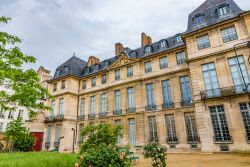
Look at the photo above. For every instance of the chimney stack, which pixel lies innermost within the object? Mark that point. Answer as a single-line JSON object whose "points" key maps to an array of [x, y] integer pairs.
{"points": [[118, 48], [145, 39], [93, 60]]}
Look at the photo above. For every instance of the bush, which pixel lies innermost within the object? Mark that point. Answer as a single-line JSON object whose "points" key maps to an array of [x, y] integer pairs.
{"points": [[99, 147], [19, 136], [157, 153]]}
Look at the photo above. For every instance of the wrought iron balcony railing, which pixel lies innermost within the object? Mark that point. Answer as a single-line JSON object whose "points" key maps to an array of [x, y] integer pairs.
{"points": [[91, 116], [172, 139], [49, 118], [117, 112], [223, 139], [193, 139], [59, 117], [130, 110], [187, 102], [223, 92], [81, 118], [150, 107], [167, 105], [103, 115]]}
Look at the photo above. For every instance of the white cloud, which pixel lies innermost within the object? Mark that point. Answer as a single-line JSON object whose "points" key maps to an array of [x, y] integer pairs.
{"points": [[53, 29]]}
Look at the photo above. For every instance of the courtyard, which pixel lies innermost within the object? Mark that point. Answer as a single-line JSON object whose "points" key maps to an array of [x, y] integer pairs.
{"points": [[48, 159]]}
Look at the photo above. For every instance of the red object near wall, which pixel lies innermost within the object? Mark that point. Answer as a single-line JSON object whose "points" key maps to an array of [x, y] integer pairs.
{"points": [[38, 141]]}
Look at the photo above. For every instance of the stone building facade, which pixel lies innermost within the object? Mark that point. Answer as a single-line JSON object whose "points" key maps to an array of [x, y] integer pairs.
{"points": [[187, 91]]}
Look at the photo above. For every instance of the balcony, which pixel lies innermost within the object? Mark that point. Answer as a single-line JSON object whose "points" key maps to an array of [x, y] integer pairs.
{"points": [[186, 103], [150, 107], [81, 118], [117, 112], [167, 105], [91, 116], [103, 115], [224, 92], [193, 139], [223, 139], [130, 110], [172, 140]]}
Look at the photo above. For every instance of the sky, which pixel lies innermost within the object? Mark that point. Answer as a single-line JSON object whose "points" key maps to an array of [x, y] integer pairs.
{"points": [[52, 30]]}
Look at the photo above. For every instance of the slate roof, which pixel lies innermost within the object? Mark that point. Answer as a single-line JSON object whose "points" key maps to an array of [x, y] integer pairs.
{"points": [[210, 11]]}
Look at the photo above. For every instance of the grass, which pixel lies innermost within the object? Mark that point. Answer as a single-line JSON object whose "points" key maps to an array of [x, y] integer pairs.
{"points": [[37, 159]]}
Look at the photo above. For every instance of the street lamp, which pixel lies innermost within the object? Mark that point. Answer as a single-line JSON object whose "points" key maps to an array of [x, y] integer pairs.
{"points": [[73, 147], [246, 85]]}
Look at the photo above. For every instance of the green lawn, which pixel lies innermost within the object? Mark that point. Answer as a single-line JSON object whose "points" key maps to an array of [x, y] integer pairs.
{"points": [[39, 159]]}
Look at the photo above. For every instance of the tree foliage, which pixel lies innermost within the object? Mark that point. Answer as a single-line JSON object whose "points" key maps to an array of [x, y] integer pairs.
{"points": [[157, 153], [19, 136], [99, 147], [24, 83]]}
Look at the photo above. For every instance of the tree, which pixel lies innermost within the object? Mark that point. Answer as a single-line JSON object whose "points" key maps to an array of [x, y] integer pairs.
{"points": [[99, 147], [27, 90], [19, 136], [157, 153]]}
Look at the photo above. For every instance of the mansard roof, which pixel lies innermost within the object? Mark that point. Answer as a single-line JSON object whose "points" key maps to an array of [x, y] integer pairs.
{"points": [[209, 10]]}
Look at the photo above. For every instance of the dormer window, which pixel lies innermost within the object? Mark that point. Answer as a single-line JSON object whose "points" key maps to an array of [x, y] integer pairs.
{"points": [[66, 70], [57, 73], [96, 67], [163, 44], [223, 10], [148, 50], [106, 63], [133, 54], [178, 39], [199, 19]]}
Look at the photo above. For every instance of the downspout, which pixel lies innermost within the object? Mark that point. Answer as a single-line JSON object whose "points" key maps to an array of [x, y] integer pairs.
{"points": [[78, 96]]}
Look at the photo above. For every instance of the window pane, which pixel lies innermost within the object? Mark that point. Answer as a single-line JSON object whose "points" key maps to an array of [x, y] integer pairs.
{"points": [[229, 34], [163, 62], [153, 136], [185, 90], [150, 94], [132, 131], [147, 67], [131, 98], [167, 97], [92, 105], [245, 112], [117, 100], [203, 42], [171, 130], [181, 58], [192, 134], [103, 103]]}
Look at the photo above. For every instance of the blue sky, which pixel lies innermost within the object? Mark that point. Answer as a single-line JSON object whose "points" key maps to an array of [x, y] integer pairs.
{"points": [[52, 30]]}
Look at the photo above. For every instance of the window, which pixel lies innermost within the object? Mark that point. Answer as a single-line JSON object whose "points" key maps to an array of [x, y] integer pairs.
{"points": [[104, 103], [48, 137], [57, 73], [84, 84], [147, 67], [93, 82], [131, 105], [163, 44], [60, 107], [180, 57], [2, 116], [82, 109], [130, 71], [210, 80], [171, 130], [245, 112], [229, 34], [148, 49], [106, 63], [219, 122], [222, 10], [54, 87], [150, 97], [20, 114], [95, 67], [92, 105], [52, 108], [104, 78], [185, 91], [238, 80], [58, 130], [203, 42], [166, 91], [163, 62], [132, 131], [153, 135], [117, 75], [1, 126], [66, 70], [63, 84], [11, 114], [118, 123], [192, 134], [117, 100], [80, 138], [178, 39], [199, 19]]}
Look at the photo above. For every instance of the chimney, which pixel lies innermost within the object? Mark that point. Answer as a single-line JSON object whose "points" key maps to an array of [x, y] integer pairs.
{"points": [[118, 48], [93, 60], [145, 39]]}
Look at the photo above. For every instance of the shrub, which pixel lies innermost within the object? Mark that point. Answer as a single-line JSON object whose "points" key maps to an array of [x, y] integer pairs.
{"points": [[19, 136], [157, 153], [99, 147]]}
